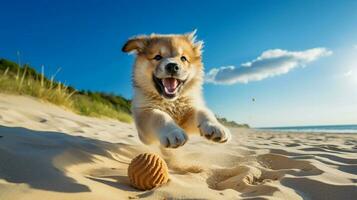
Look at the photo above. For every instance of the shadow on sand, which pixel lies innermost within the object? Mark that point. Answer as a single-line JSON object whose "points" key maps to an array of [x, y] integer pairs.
{"points": [[28, 156]]}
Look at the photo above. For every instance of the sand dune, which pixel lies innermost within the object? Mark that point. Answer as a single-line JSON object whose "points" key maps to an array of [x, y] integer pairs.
{"points": [[49, 153]]}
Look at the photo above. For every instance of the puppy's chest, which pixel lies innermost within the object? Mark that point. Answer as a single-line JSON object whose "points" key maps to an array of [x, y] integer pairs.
{"points": [[180, 110]]}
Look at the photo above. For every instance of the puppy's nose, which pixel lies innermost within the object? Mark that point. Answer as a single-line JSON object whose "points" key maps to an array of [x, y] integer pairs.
{"points": [[172, 68]]}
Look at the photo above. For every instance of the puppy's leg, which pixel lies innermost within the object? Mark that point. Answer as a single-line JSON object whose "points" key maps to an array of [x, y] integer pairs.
{"points": [[210, 128], [158, 125]]}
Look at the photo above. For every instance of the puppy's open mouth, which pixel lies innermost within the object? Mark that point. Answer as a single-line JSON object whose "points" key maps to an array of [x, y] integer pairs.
{"points": [[168, 87]]}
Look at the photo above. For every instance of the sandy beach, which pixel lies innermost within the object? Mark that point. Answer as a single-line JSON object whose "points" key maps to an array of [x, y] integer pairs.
{"points": [[47, 152]]}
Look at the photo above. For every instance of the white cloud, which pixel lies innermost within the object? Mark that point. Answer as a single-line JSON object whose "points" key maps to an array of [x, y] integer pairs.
{"points": [[270, 63], [348, 73], [355, 46]]}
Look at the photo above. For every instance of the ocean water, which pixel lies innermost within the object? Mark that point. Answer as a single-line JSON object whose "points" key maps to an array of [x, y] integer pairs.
{"points": [[323, 129]]}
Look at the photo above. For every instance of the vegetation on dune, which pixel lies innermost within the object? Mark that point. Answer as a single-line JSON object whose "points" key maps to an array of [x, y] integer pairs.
{"points": [[15, 79], [234, 124], [101, 104]]}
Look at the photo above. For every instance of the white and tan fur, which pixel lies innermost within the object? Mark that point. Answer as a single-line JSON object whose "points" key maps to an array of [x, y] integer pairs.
{"points": [[170, 120]]}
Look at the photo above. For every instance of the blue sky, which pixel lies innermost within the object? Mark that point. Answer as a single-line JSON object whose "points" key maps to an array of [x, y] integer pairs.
{"points": [[84, 38]]}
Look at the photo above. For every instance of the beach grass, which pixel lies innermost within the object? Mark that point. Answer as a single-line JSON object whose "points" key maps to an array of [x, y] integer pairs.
{"points": [[25, 80]]}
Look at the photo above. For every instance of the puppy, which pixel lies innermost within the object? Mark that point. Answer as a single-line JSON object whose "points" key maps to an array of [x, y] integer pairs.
{"points": [[167, 80]]}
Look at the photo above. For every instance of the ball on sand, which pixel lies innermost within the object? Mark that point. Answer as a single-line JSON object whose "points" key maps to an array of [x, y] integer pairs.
{"points": [[147, 171]]}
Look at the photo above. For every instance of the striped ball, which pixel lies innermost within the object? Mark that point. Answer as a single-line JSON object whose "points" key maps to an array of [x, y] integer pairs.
{"points": [[147, 171]]}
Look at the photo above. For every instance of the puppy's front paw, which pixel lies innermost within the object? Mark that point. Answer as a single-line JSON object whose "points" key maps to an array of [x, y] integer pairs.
{"points": [[173, 138], [214, 131]]}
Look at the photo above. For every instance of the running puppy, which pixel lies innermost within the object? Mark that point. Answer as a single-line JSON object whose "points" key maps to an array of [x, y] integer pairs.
{"points": [[167, 80]]}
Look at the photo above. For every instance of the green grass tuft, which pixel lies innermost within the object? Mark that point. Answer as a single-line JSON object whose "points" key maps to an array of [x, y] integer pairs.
{"points": [[85, 105]]}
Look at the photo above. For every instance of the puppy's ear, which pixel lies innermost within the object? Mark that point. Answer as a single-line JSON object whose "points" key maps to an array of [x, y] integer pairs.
{"points": [[197, 45], [135, 44], [191, 35]]}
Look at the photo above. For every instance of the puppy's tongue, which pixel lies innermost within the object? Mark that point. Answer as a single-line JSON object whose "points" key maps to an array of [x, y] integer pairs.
{"points": [[170, 85]]}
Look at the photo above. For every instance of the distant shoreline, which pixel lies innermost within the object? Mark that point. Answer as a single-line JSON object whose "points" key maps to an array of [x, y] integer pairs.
{"points": [[350, 128]]}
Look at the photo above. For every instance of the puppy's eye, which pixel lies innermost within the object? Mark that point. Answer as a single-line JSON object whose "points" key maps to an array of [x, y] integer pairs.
{"points": [[183, 59], [157, 57]]}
